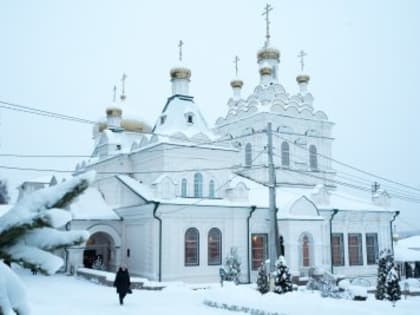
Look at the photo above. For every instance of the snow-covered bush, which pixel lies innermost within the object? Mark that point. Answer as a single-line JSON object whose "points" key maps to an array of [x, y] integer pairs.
{"points": [[354, 290], [262, 279], [28, 233], [282, 277], [233, 266]]}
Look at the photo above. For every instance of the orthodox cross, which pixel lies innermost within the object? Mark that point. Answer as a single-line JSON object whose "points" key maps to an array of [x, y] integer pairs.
{"points": [[235, 61], [266, 12], [114, 96], [301, 56], [123, 96], [180, 44]]}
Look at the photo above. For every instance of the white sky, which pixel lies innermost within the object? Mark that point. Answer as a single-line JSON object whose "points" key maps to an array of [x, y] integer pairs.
{"points": [[65, 56]]}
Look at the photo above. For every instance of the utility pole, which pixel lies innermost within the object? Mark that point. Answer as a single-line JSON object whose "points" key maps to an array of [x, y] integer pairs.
{"points": [[273, 241]]}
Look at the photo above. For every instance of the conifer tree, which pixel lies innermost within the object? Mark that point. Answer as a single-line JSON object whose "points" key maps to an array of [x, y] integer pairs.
{"points": [[262, 279], [282, 277], [393, 290], [233, 266], [28, 234], [380, 293], [4, 194]]}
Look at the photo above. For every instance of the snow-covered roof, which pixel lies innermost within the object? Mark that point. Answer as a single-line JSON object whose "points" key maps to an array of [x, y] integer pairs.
{"points": [[4, 209], [403, 254], [175, 120], [412, 242], [286, 197], [148, 194], [91, 206]]}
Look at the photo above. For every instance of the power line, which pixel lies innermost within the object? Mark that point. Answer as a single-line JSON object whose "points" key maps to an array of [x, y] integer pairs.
{"points": [[350, 166], [125, 172]]}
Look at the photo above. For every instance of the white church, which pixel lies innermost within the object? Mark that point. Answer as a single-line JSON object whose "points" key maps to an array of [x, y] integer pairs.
{"points": [[173, 200]]}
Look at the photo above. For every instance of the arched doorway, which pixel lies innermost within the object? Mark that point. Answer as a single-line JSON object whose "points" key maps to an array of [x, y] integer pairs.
{"points": [[99, 252]]}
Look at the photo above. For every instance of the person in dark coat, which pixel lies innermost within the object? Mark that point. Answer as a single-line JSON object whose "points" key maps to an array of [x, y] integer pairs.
{"points": [[122, 283]]}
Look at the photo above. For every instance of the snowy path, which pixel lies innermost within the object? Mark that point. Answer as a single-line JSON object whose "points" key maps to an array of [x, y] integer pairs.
{"points": [[66, 295]]}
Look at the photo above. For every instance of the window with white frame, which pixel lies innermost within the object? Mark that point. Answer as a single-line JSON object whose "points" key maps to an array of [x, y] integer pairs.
{"points": [[337, 249], [248, 155], [285, 154], [184, 187], [355, 249], [212, 191], [259, 249], [192, 247], [313, 158], [215, 247], [306, 251], [371, 248], [198, 185]]}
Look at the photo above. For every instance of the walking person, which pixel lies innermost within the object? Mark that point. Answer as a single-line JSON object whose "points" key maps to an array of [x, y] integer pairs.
{"points": [[122, 283]]}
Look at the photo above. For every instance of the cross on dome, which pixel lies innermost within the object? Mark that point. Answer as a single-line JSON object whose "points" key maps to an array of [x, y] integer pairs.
{"points": [[301, 56], [123, 78], [236, 61], [180, 44], [114, 96], [266, 12]]}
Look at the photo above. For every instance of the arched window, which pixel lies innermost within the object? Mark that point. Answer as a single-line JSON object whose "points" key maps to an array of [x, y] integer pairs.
{"points": [[306, 251], [248, 155], [184, 187], [215, 247], [192, 247], [313, 158], [198, 185], [285, 154], [212, 192]]}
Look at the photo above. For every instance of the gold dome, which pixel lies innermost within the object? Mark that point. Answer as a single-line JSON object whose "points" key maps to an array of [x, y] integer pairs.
{"points": [[302, 78], [113, 111], [132, 125], [268, 53], [266, 70], [180, 73], [236, 83]]}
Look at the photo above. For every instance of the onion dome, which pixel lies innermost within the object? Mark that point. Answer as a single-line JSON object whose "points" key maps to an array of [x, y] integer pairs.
{"points": [[236, 83], [113, 112], [180, 73], [266, 70], [268, 53], [302, 78], [134, 125]]}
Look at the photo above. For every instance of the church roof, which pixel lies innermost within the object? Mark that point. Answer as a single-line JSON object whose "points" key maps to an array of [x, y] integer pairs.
{"points": [[182, 115], [286, 197], [91, 206]]}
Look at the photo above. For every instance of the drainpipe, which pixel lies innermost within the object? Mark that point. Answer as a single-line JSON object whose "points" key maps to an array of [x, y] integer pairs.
{"points": [[335, 211], [390, 228], [67, 228], [160, 240], [253, 208]]}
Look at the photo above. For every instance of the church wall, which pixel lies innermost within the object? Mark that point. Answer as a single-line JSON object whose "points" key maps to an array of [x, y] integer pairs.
{"points": [[230, 221], [148, 160], [304, 132], [296, 229], [117, 194], [361, 222], [140, 240]]}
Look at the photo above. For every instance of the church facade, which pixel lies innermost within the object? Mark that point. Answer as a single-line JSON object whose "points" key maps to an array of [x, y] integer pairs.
{"points": [[172, 201]]}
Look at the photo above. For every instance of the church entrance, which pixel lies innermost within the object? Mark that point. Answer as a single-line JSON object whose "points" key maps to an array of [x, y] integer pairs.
{"points": [[99, 252]]}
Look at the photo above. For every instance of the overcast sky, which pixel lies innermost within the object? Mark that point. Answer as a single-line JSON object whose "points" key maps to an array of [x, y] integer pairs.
{"points": [[65, 56]]}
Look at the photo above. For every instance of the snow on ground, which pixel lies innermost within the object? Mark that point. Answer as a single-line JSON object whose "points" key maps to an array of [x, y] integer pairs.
{"points": [[67, 295]]}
